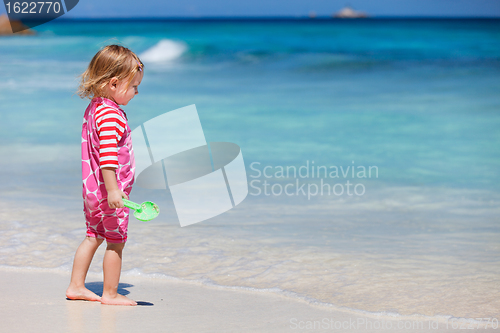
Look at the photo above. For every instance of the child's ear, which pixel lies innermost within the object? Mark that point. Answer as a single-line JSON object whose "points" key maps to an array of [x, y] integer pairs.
{"points": [[113, 83]]}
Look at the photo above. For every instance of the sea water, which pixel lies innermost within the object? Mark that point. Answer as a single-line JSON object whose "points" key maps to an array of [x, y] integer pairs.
{"points": [[371, 147]]}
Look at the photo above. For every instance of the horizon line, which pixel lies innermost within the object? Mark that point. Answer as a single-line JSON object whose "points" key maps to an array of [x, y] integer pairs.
{"points": [[271, 17]]}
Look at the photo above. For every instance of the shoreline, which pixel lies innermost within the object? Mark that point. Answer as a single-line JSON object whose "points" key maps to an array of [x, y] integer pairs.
{"points": [[36, 297], [371, 285]]}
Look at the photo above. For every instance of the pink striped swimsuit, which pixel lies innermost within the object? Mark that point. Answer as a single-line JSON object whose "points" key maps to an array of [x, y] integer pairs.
{"points": [[106, 142]]}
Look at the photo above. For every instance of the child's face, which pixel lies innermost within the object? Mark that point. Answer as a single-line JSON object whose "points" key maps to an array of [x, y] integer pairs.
{"points": [[121, 92]]}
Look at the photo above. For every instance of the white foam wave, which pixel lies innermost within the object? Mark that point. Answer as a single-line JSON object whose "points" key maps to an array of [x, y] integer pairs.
{"points": [[164, 51], [379, 315]]}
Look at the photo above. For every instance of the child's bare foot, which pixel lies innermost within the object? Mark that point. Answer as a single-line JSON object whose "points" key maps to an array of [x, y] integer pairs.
{"points": [[82, 293], [117, 300]]}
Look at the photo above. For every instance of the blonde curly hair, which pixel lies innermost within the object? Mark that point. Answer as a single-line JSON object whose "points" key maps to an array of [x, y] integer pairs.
{"points": [[111, 61]]}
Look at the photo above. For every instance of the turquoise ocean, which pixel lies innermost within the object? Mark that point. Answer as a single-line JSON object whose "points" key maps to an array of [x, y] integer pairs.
{"points": [[389, 130]]}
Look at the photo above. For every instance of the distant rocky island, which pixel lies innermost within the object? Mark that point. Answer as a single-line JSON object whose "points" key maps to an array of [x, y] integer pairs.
{"points": [[348, 12], [6, 29]]}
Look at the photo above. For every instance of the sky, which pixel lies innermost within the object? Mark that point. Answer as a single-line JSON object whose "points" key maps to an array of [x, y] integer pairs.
{"points": [[239, 8]]}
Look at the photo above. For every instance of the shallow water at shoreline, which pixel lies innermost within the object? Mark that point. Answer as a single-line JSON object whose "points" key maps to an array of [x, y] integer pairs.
{"points": [[376, 254]]}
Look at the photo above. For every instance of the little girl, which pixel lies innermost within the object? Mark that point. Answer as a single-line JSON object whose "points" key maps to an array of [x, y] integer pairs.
{"points": [[111, 79]]}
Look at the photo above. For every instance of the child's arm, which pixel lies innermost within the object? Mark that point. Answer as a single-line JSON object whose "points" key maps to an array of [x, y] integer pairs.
{"points": [[115, 195]]}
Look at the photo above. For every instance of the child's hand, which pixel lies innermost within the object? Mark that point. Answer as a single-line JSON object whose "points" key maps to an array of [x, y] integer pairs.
{"points": [[115, 195], [115, 199]]}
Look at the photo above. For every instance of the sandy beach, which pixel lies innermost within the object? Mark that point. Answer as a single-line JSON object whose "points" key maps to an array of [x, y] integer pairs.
{"points": [[34, 301]]}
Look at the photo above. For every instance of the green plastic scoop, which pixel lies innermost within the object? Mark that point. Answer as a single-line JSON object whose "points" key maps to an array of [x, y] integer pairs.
{"points": [[143, 212]]}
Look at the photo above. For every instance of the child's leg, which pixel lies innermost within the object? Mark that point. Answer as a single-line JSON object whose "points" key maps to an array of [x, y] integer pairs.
{"points": [[81, 264], [112, 267]]}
